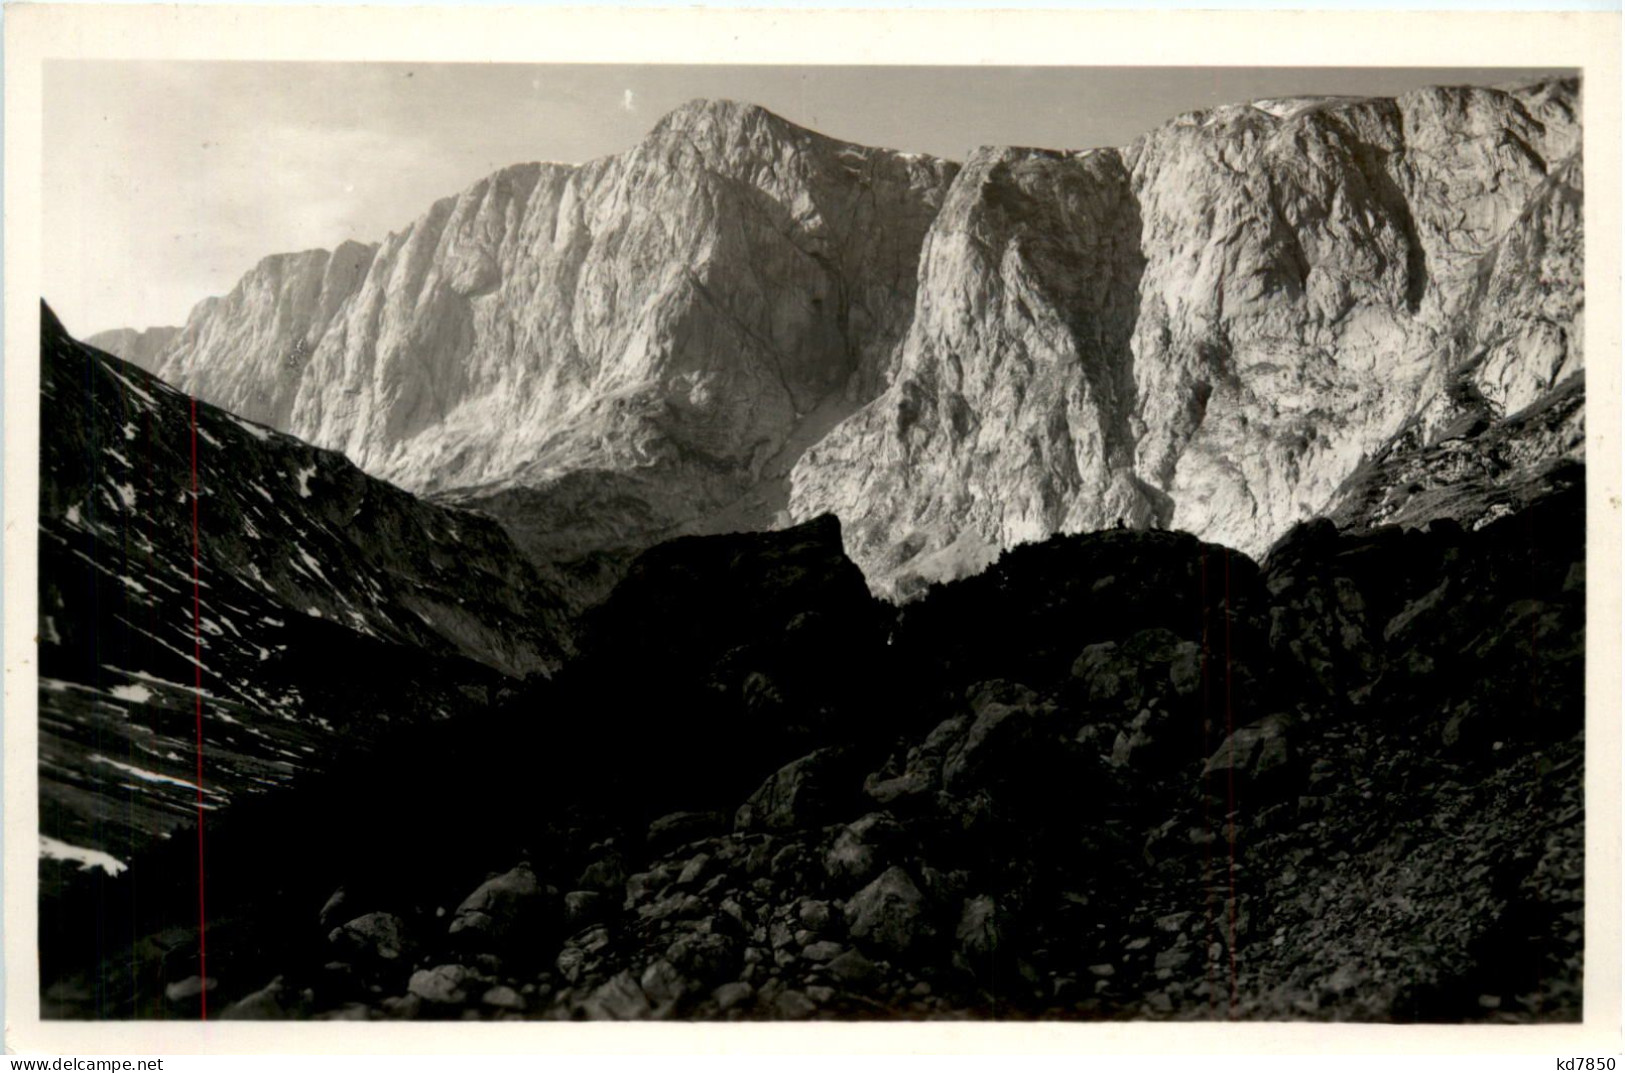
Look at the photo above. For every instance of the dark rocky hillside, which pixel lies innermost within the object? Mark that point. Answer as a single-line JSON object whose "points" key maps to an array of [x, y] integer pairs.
{"points": [[1124, 774], [331, 608]]}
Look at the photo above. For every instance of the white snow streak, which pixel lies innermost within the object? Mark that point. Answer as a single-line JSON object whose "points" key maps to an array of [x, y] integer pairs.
{"points": [[52, 849]]}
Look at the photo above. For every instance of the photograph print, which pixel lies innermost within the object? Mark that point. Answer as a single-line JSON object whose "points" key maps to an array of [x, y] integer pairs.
{"points": [[545, 542]]}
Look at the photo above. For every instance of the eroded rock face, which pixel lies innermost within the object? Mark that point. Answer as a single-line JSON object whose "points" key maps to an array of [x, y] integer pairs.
{"points": [[1509, 423], [248, 351], [664, 330], [1214, 327]]}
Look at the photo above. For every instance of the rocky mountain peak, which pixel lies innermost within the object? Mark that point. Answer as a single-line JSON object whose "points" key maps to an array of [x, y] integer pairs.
{"points": [[662, 331], [738, 120]]}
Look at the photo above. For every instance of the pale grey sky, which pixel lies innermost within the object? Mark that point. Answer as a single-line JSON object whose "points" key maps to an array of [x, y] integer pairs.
{"points": [[165, 182]]}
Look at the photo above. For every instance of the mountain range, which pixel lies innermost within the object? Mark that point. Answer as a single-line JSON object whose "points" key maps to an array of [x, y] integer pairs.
{"points": [[1221, 327]]}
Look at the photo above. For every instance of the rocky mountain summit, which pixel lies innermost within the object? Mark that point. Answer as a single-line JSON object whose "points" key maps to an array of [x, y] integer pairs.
{"points": [[1120, 774], [649, 339], [738, 322]]}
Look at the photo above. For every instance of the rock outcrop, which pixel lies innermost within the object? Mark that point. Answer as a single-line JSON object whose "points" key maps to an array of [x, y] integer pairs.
{"points": [[1214, 327]]}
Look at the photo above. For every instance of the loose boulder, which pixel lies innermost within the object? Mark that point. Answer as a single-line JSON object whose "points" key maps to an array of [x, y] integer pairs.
{"points": [[379, 937], [889, 912], [501, 910], [446, 985], [804, 793], [1259, 757], [861, 847], [1009, 721]]}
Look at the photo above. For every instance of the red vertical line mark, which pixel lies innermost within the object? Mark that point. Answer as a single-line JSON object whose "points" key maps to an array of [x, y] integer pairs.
{"points": [[150, 437], [1230, 790], [1534, 804], [95, 639], [1207, 813], [1534, 706], [197, 661], [130, 631]]}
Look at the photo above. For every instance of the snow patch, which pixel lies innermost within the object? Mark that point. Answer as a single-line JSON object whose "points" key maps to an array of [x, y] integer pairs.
{"points": [[142, 773], [134, 390], [143, 676], [303, 476], [52, 849], [137, 694], [254, 572], [310, 561], [255, 431]]}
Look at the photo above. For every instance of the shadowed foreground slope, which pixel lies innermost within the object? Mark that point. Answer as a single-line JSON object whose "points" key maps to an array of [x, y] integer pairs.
{"points": [[1118, 775]]}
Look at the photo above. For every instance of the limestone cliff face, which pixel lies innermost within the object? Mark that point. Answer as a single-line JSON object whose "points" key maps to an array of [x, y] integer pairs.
{"points": [[1244, 318], [248, 351], [1213, 328], [1509, 423], [675, 318]]}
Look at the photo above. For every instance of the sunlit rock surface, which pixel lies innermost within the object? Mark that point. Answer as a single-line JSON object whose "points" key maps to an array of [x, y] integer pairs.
{"points": [[1212, 328]]}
